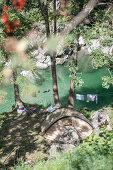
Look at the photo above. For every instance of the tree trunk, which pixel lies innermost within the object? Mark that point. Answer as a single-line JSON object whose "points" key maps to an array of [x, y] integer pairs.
{"points": [[54, 79], [71, 94], [69, 27], [44, 11], [53, 65], [54, 7], [16, 89], [72, 84]]}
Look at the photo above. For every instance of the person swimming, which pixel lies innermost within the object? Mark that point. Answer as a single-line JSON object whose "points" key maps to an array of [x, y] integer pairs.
{"points": [[46, 91]]}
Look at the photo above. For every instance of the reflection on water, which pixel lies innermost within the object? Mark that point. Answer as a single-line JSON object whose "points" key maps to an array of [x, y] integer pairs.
{"points": [[92, 85]]}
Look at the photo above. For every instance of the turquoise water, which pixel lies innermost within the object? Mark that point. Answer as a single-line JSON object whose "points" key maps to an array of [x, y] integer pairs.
{"points": [[7, 106], [92, 85]]}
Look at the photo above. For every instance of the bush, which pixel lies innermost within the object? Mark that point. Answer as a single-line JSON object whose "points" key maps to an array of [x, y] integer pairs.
{"points": [[95, 153]]}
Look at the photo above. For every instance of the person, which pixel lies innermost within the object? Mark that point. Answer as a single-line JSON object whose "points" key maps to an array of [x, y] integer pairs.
{"points": [[46, 91], [20, 108]]}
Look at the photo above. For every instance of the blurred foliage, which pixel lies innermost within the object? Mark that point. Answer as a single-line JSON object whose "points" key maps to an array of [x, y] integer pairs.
{"points": [[27, 17], [28, 88]]}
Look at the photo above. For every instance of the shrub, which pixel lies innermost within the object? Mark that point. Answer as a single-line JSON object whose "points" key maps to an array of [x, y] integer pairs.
{"points": [[95, 153]]}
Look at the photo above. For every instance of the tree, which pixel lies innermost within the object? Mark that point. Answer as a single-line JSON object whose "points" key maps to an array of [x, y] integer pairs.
{"points": [[73, 74], [74, 22], [44, 10], [101, 32], [10, 28]]}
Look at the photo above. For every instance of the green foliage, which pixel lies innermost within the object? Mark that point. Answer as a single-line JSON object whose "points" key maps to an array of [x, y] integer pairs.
{"points": [[103, 144], [100, 59], [94, 153], [73, 70], [86, 112], [107, 42], [107, 81], [72, 67], [76, 7], [99, 28], [77, 80], [26, 18], [103, 33], [2, 37], [3, 56]]}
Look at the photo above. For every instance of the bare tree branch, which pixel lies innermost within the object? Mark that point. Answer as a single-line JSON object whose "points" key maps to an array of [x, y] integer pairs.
{"points": [[79, 18]]}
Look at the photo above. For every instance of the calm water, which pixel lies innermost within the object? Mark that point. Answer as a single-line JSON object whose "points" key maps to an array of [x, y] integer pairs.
{"points": [[92, 85]]}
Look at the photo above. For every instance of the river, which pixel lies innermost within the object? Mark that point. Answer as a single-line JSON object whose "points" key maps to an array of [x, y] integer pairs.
{"points": [[92, 85]]}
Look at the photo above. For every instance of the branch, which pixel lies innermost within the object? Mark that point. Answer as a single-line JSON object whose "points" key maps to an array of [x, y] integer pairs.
{"points": [[79, 18]]}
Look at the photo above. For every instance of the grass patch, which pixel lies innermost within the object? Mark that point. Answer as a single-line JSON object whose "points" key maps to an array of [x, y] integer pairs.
{"points": [[21, 138]]}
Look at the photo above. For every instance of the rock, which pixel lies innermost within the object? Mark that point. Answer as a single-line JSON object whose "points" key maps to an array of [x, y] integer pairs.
{"points": [[31, 76], [43, 62], [48, 60], [60, 61], [101, 117], [95, 44], [81, 41], [41, 65], [107, 50], [40, 58], [37, 36], [8, 63], [35, 52]]}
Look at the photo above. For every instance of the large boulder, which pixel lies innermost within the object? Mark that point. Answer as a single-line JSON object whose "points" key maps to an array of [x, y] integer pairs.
{"points": [[101, 117]]}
